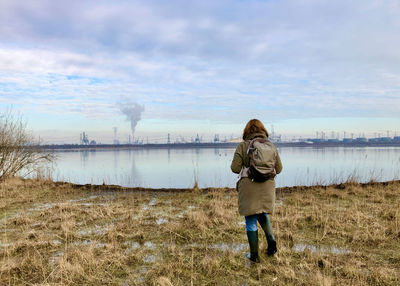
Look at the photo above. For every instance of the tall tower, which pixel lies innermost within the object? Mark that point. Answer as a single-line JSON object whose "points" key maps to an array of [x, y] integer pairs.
{"points": [[115, 141]]}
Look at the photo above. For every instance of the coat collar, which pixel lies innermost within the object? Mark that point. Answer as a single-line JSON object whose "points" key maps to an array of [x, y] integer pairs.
{"points": [[254, 135]]}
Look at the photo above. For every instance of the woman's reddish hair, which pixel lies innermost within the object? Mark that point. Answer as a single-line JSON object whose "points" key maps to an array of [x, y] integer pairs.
{"points": [[254, 126]]}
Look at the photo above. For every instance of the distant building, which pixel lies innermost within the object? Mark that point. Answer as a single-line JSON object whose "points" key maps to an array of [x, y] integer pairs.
{"points": [[384, 139], [381, 139], [84, 139], [275, 138], [361, 139]]}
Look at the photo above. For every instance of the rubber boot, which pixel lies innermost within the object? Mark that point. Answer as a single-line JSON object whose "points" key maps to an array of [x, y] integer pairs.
{"points": [[265, 224], [271, 250], [252, 236]]}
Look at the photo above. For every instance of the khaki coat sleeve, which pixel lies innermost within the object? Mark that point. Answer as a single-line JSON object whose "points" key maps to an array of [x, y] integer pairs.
{"points": [[237, 161], [278, 164]]}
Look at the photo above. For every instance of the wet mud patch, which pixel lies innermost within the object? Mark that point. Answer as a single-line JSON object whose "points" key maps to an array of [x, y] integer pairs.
{"points": [[323, 249]]}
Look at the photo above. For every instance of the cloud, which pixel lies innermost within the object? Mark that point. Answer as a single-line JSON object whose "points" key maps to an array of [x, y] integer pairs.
{"points": [[221, 60]]}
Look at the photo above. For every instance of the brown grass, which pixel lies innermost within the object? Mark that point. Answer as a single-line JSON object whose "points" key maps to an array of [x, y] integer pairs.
{"points": [[63, 234]]}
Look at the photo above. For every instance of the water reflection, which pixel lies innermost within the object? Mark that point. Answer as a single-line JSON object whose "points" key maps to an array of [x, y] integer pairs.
{"points": [[84, 156], [179, 168]]}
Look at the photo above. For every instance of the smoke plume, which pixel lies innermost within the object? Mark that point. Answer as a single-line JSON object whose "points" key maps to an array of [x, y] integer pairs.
{"points": [[133, 112]]}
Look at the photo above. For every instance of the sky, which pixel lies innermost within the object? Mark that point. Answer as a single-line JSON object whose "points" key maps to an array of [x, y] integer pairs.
{"points": [[203, 67]]}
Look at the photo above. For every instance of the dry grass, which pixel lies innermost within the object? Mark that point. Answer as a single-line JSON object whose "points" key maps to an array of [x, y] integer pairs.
{"points": [[61, 234]]}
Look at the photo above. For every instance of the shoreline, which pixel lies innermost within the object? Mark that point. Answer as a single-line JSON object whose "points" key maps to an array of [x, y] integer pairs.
{"points": [[227, 145], [116, 188]]}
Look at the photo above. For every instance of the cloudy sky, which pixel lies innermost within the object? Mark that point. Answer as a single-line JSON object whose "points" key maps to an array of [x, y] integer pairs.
{"points": [[201, 66]]}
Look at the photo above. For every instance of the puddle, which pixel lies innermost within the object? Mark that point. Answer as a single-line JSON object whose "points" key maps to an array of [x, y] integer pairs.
{"points": [[97, 230], [132, 244], [47, 206], [161, 221], [88, 242], [149, 245], [110, 195], [234, 247], [56, 241], [44, 207], [83, 242], [10, 217], [152, 203], [6, 244], [55, 258], [142, 272], [151, 258], [300, 247], [136, 245]]}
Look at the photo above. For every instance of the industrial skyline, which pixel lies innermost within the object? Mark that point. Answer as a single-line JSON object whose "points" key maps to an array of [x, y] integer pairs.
{"points": [[168, 138], [154, 67]]}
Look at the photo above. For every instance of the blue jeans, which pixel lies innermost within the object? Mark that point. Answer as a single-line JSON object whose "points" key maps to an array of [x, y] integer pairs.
{"points": [[263, 220]]}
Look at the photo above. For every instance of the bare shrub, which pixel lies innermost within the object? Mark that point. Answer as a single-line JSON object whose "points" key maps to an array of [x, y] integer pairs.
{"points": [[19, 152]]}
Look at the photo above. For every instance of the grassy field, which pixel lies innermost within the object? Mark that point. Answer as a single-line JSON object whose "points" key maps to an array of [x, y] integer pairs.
{"points": [[63, 234]]}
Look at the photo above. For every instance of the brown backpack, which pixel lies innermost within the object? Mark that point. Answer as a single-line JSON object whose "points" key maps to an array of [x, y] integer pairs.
{"points": [[262, 154]]}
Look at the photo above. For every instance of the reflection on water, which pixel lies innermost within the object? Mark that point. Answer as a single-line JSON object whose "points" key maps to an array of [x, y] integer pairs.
{"points": [[179, 168], [300, 247]]}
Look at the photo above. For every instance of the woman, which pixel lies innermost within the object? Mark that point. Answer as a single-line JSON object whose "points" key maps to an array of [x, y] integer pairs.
{"points": [[256, 199]]}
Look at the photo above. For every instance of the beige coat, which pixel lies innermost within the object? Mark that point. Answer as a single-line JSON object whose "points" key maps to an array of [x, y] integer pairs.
{"points": [[254, 197]]}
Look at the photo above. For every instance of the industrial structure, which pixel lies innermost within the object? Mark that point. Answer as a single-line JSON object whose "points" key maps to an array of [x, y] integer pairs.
{"points": [[328, 139], [84, 140], [115, 141]]}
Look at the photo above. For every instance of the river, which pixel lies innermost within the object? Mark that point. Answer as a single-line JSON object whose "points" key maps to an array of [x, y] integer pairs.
{"points": [[180, 168]]}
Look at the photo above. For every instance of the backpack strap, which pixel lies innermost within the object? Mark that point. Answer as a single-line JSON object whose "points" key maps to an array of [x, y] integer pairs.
{"points": [[251, 144]]}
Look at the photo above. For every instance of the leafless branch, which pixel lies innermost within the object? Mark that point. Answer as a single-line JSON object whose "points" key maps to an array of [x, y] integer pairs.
{"points": [[19, 152]]}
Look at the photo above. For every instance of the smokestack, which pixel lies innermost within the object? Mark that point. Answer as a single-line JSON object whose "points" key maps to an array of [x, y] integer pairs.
{"points": [[133, 112], [115, 133]]}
